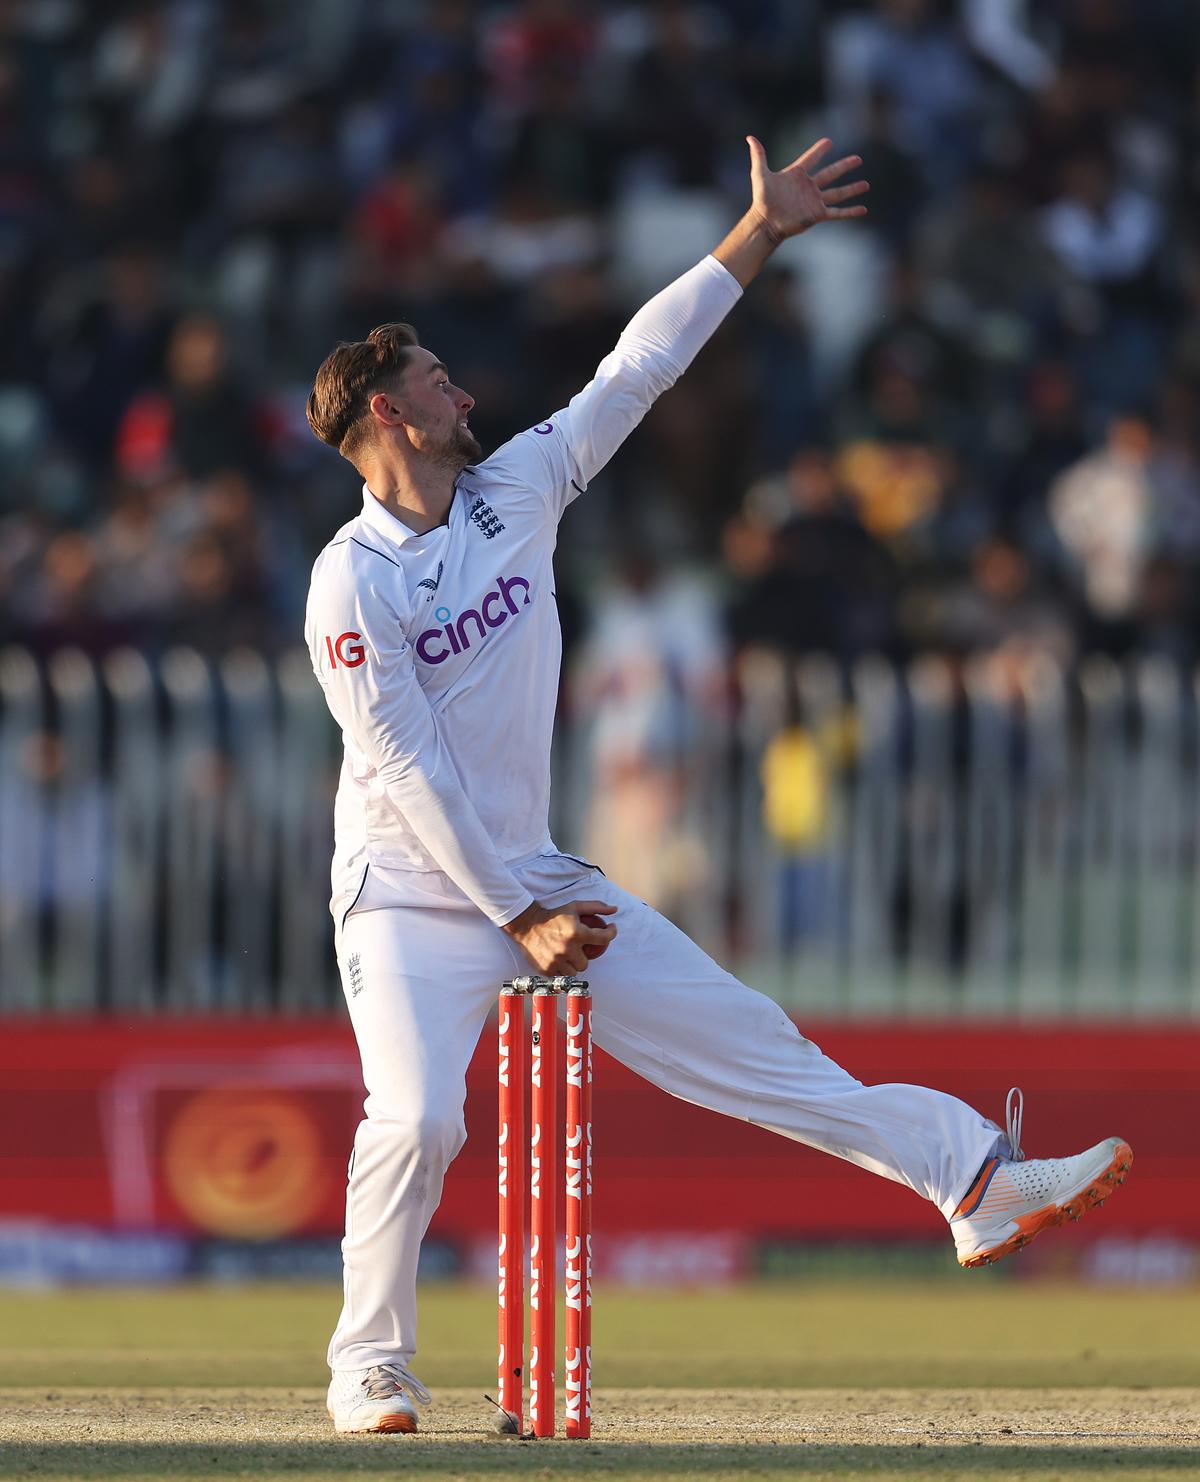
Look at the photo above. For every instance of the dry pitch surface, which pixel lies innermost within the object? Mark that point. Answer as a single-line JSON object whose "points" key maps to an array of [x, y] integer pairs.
{"points": [[647, 1433], [940, 1381]]}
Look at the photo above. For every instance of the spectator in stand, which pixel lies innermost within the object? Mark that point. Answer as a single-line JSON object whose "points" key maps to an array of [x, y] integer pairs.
{"points": [[393, 236], [912, 53], [530, 232], [203, 422], [989, 272], [134, 542], [779, 347], [797, 773], [1168, 612], [995, 606], [913, 380], [898, 193], [62, 608], [649, 669], [562, 145], [1175, 474], [1108, 237], [281, 205], [530, 38], [1102, 512], [1051, 438], [207, 611], [110, 348], [815, 581], [678, 91], [896, 471]]}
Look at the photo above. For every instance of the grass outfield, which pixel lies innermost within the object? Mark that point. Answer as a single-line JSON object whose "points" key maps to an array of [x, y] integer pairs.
{"points": [[938, 1380], [796, 1335]]}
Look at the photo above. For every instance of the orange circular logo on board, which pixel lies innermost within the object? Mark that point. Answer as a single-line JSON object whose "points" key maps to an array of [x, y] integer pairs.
{"points": [[244, 1163]]}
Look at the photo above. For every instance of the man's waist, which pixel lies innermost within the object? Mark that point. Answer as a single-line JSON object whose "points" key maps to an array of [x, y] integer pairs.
{"points": [[419, 881], [401, 849]]}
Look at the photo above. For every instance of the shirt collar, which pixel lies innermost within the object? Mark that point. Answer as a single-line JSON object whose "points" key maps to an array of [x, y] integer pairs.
{"points": [[384, 521]]}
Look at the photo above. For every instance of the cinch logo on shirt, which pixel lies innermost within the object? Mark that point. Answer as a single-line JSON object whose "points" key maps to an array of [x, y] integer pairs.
{"points": [[435, 645]]}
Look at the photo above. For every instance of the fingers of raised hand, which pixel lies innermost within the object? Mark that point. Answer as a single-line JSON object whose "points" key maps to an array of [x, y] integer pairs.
{"points": [[812, 155], [844, 192], [836, 170]]}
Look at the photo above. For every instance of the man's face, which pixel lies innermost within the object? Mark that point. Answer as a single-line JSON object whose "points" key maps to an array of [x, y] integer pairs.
{"points": [[436, 412]]}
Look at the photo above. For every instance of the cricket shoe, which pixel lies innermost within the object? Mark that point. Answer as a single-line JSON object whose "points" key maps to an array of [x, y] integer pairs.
{"points": [[1015, 1198], [378, 1400]]}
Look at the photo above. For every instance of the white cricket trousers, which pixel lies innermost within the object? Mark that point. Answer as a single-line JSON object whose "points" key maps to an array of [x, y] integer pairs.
{"points": [[420, 979]]}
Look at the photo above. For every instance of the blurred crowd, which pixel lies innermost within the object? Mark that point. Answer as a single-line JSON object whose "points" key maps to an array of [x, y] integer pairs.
{"points": [[970, 423]]}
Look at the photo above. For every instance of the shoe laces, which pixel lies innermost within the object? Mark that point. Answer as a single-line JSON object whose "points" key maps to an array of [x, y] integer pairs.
{"points": [[1014, 1112], [386, 1380]]}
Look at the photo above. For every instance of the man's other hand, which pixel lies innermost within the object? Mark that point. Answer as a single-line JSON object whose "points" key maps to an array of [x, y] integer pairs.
{"points": [[554, 940]]}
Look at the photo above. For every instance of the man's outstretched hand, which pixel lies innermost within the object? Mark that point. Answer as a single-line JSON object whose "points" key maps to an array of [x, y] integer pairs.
{"points": [[555, 940], [786, 202], [791, 200]]}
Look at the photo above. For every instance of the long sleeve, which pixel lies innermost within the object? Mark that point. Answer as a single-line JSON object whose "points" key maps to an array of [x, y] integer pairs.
{"points": [[654, 349], [365, 666]]}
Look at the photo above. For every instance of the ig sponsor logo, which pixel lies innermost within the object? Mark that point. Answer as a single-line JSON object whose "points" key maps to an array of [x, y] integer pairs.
{"points": [[347, 649]]}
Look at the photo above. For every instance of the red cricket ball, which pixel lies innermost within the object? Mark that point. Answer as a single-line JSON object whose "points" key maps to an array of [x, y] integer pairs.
{"points": [[590, 919]]}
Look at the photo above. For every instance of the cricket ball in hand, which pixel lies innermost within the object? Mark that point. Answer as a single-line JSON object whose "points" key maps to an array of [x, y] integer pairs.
{"points": [[590, 919]]}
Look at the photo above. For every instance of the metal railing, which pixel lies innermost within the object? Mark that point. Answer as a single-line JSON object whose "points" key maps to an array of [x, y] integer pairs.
{"points": [[164, 834], [944, 839]]}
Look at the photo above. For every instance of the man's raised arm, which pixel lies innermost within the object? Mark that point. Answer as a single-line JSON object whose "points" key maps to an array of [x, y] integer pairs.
{"points": [[665, 335]]}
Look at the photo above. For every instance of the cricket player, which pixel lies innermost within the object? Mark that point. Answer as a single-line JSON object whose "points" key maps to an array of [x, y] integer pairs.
{"points": [[432, 628]]}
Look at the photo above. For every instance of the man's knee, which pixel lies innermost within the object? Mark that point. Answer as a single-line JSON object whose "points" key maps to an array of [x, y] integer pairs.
{"points": [[426, 1131]]}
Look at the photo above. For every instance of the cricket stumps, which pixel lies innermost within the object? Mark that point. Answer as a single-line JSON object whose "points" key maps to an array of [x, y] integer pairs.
{"points": [[546, 1136]]}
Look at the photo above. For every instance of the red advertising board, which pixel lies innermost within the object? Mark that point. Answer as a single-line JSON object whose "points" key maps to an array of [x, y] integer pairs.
{"points": [[241, 1128]]}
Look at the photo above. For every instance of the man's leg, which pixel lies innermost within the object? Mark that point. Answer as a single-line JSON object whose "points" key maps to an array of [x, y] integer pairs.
{"points": [[418, 983], [663, 1007]]}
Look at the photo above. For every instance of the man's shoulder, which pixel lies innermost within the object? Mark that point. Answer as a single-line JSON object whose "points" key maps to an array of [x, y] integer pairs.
{"points": [[356, 558], [356, 546], [532, 460]]}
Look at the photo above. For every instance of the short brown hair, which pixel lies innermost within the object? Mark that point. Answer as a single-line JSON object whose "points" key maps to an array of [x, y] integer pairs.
{"points": [[349, 376]]}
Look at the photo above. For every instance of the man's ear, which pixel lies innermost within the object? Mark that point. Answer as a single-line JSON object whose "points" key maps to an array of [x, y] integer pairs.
{"points": [[388, 408]]}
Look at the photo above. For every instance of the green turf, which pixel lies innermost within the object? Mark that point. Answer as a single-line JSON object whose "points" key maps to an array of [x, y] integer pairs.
{"points": [[787, 1335]]}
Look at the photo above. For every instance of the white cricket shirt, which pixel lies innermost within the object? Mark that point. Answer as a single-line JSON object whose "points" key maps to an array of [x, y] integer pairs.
{"points": [[439, 653]]}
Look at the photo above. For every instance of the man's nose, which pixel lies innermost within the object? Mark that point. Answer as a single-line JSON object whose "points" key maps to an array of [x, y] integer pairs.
{"points": [[465, 402]]}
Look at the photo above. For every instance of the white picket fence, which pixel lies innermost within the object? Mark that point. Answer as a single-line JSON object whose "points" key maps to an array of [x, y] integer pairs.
{"points": [[980, 846]]}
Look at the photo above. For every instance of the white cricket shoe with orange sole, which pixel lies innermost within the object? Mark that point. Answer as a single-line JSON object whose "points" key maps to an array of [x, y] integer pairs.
{"points": [[378, 1400], [1014, 1199]]}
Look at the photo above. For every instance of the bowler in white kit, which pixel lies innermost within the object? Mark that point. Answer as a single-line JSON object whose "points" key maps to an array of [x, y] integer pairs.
{"points": [[433, 632]]}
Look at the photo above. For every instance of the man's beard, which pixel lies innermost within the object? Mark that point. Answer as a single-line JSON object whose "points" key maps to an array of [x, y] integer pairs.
{"points": [[468, 445], [460, 449]]}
